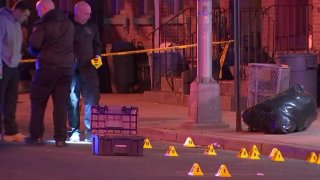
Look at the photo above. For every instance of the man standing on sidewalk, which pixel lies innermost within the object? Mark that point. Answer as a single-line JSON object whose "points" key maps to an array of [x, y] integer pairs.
{"points": [[10, 54], [85, 79], [52, 41]]}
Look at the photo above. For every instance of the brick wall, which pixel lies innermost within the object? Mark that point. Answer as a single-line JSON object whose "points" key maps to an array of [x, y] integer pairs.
{"points": [[115, 32], [139, 33], [316, 24]]}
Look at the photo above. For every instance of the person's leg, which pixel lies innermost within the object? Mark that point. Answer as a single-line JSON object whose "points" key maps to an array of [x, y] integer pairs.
{"points": [[10, 96], [73, 108], [61, 98], [91, 95], [40, 92]]}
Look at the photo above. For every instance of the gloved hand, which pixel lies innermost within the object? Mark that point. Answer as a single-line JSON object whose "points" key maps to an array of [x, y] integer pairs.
{"points": [[96, 62]]}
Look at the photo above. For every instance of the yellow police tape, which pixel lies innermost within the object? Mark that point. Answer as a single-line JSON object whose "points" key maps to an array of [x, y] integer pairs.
{"points": [[161, 49], [222, 58]]}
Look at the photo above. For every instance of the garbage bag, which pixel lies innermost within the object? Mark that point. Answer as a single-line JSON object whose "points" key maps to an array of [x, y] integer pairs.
{"points": [[290, 111]]}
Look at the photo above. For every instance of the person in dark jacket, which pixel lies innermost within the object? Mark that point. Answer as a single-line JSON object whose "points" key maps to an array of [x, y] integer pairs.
{"points": [[85, 80], [10, 56], [52, 41]]}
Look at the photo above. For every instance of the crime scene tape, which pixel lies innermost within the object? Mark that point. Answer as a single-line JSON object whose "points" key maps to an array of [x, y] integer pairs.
{"points": [[223, 58], [157, 49], [161, 49]]}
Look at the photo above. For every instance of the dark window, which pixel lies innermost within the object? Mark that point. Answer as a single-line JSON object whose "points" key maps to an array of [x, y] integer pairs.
{"points": [[175, 6], [145, 7], [115, 7]]}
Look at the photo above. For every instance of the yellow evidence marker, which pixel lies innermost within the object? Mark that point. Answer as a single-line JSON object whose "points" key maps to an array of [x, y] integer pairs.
{"points": [[189, 143], [171, 152], [254, 149], [223, 171], [210, 151], [277, 157], [312, 158], [147, 144], [195, 170], [96, 62], [273, 152], [243, 153]]}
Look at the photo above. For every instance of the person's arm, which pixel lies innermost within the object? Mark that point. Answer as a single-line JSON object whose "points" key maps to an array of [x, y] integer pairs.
{"points": [[36, 39]]}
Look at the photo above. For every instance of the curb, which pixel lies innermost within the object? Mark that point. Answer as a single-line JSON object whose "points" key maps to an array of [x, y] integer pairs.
{"points": [[227, 143]]}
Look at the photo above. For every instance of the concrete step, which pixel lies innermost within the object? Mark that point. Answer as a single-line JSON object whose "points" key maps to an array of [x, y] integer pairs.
{"points": [[177, 85], [173, 91], [228, 103], [168, 97], [171, 84], [227, 88]]}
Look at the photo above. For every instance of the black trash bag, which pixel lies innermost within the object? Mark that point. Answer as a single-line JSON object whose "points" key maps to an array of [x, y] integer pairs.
{"points": [[290, 111]]}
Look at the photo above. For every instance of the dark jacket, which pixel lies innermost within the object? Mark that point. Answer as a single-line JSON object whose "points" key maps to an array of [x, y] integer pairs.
{"points": [[86, 43], [52, 40]]}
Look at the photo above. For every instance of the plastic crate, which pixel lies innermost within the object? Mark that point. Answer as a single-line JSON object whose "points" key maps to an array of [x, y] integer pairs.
{"points": [[266, 80], [117, 145], [114, 120]]}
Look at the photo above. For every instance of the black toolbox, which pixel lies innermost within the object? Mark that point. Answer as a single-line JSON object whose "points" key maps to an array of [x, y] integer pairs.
{"points": [[117, 145]]}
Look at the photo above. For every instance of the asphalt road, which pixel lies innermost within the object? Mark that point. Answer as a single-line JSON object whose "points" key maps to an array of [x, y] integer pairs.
{"points": [[18, 161]]}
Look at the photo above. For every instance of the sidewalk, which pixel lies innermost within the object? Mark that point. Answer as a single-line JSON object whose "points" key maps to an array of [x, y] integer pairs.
{"points": [[167, 122]]}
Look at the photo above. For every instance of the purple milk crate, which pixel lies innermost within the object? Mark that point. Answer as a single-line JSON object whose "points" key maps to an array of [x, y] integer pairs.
{"points": [[106, 120]]}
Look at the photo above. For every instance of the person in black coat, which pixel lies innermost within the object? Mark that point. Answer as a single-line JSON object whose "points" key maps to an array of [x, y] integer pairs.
{"points": [[85, 79], [52, 41]]}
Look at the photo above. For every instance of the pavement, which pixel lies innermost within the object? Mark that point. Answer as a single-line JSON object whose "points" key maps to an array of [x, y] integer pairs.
{"points": [[168, 123]]}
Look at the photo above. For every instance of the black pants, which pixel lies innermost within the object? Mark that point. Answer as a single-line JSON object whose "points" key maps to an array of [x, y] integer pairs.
{"points": [[8, 98], [55, 82], [85, 81]]}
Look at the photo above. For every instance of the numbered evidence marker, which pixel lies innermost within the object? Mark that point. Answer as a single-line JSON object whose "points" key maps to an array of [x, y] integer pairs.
{"points": [[210, 151], [223, 171], [195, 170], [147, 144], [318, 160], [277, 157], [171, 152], [273, 152], [312, 158], [189, 143], [254, 153], [254, 149], [96, 62], [242, 153]]}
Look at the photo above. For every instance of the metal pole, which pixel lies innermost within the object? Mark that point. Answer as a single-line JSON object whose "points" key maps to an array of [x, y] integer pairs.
{"points": [[156, 23], [204, 102], [236, 31], [204, 48]]}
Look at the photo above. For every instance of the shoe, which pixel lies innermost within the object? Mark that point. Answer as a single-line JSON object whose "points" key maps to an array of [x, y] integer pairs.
{"points": [[75, 137], [61, 144], [33, 141], [14, 138], [88, 136]]}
